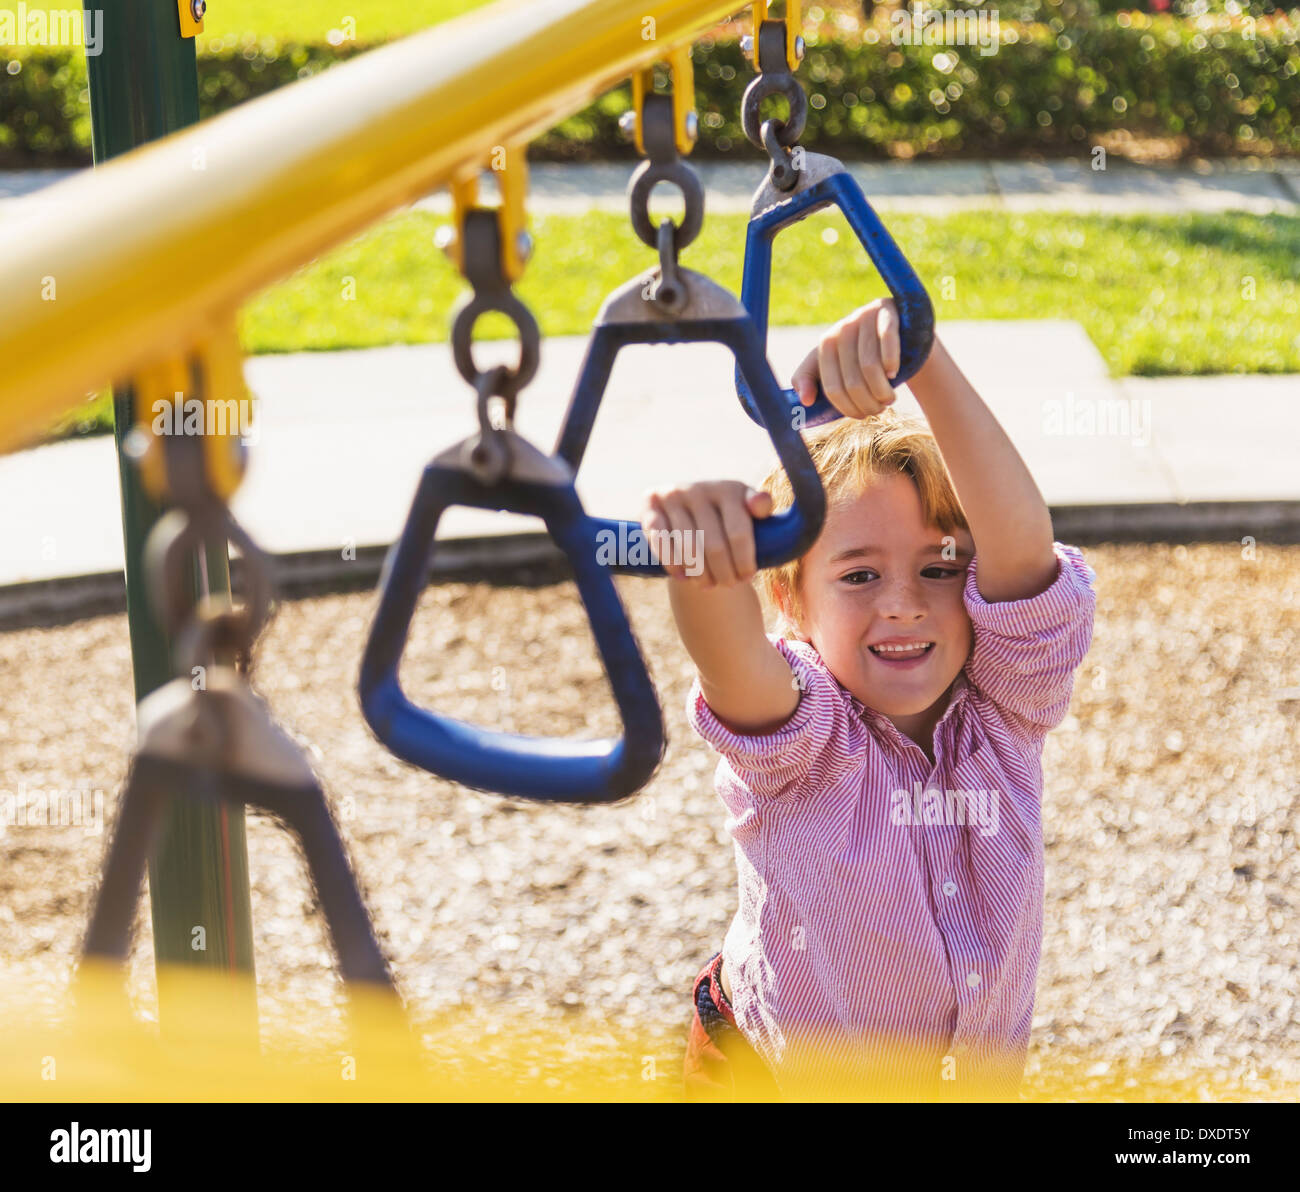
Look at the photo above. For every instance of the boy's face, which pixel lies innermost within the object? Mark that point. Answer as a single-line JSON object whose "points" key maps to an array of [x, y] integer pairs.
{"points": [[882, 604]]}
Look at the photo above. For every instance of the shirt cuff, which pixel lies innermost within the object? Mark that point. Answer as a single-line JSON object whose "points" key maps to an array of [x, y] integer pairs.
{"points": [[773, 751], [1056, 605]]}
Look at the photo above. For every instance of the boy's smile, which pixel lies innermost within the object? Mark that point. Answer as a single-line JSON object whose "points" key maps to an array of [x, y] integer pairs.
{"points": [[882, 601], [901, 652]]}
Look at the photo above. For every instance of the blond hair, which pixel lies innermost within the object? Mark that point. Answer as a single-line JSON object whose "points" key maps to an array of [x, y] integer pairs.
{"points": [[849, 454]]}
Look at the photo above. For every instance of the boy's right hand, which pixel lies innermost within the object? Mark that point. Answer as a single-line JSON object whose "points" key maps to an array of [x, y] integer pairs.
{"points": [[709, 528]]}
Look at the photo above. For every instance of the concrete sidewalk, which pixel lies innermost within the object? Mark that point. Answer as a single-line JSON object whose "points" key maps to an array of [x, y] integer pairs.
{"points": [[1123, 187], [936, 188], [344, 436]]}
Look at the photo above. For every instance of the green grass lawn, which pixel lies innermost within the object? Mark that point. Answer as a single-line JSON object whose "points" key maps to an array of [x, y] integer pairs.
{"points": [[1159, 295], [311, 20]]}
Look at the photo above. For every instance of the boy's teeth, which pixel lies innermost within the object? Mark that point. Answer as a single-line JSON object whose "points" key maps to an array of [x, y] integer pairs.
{"points": [[917, 648]]}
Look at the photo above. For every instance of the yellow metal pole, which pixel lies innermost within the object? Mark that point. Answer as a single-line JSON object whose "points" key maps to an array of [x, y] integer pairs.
{"points": [[153, 250]]}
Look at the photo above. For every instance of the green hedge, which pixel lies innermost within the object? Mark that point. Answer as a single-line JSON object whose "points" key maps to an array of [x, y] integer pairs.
{"points": [[1054, 89], [45, 104]]}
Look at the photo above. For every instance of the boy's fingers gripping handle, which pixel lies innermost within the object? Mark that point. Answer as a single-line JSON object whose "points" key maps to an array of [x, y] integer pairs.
{"points": [[834, 185], [805, 384], [887, 333]]}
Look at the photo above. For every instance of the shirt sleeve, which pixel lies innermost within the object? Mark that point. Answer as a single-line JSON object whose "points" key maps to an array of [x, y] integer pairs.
{"points": [[801, 755], [1026, 651]]}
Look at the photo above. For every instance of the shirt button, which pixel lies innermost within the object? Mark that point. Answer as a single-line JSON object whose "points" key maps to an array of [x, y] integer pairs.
{"points": [[950, 888], [972, 979]]}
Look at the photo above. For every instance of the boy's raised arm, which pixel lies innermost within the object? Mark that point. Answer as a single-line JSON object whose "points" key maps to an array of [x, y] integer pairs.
{"points": [[1008, 517], [745, 681]]}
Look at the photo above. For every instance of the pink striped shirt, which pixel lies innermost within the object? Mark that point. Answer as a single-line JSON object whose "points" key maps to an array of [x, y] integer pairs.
{"points": [[900, 928]]}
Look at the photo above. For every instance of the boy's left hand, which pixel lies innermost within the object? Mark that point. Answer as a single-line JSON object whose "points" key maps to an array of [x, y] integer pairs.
{"points": [[854, 360]]}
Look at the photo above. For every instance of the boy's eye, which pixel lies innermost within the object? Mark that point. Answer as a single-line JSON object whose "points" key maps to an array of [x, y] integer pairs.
{"points": [[941, 572], [863, 577]]}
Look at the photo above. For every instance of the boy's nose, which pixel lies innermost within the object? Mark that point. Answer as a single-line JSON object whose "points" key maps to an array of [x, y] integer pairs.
{"points": [[902, 601]]}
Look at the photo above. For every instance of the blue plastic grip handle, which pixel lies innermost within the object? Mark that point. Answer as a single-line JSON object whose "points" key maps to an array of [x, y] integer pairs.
{"points": [[915, 312], [778, 538], [541, 768]]}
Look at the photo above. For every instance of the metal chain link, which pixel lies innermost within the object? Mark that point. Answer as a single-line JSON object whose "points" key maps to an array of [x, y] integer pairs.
{"points": [[205, 628], [777, 137], [483, 268], [665, 164]]}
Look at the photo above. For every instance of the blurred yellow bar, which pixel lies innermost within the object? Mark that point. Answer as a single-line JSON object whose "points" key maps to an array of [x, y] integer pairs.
{"points": [[138, 260], [98, 1051]]}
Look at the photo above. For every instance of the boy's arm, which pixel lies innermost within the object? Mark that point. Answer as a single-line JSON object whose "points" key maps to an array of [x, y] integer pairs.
{"points": [[746, 682], [777, 717], [1008, 517]]}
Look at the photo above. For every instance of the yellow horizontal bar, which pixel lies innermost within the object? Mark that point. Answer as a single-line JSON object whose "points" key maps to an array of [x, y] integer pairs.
{"points": [[134, 262]]}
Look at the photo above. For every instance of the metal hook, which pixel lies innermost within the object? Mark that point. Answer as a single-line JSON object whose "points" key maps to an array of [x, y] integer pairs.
{"points": [[211, 625], [784, 173], [670, 293], [490, 457]]}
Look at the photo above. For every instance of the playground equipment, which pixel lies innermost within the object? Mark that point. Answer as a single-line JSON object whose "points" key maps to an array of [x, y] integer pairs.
{"points": [[499, 469], [671, 304], [153, 298], [198, 866], [797, 185], [208, 734]]}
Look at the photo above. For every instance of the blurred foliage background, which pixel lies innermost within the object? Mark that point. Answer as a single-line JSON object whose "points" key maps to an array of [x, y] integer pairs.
{"points": [[1042, 76]]}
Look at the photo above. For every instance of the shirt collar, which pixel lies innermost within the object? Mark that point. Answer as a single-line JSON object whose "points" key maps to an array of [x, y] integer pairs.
{"points": [[960, 690]]}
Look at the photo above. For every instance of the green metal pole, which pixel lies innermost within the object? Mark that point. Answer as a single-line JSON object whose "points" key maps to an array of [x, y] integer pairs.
{"points": [[144, 85]]}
